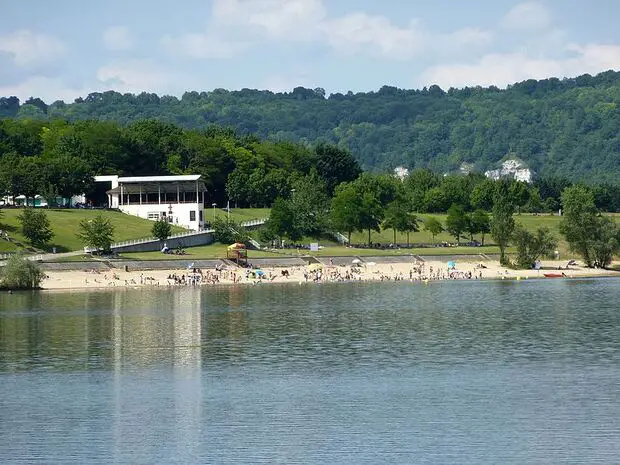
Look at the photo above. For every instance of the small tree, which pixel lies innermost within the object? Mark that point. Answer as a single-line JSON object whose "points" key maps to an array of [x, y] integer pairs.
{"points": [[35, 226], [399, 219], [97, 233], [607, 242], [580, 222], [282, 221], [161, 230], [228, 231], [433, 226], [532, 246], [480, 223], [503, 223], [456, 221], [346, 209], [20, 273]]}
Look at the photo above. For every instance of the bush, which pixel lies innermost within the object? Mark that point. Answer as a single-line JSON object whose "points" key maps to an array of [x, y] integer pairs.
{"points": [[532, 246], [19, 273], [161, 230], [97, 233], [227, 232], [36, 227]]}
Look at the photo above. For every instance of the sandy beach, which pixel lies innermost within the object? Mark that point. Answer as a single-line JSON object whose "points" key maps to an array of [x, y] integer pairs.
{"points": [[424, 272]]}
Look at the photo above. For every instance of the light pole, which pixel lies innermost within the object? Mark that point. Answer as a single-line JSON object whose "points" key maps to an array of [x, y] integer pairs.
{"points": [[213, 205]]}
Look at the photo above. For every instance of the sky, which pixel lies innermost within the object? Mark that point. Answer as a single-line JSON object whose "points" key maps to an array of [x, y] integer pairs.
{"points": [[68, 48]]}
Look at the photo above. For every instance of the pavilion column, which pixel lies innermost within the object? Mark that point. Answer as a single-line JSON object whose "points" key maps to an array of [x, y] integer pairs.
{"points": [[140, 193], [121, 203], [178, 194], [197, 198], [159, 193]]}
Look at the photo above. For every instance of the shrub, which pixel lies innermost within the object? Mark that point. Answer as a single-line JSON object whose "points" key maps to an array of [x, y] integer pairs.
{"points": [[20, 273]]}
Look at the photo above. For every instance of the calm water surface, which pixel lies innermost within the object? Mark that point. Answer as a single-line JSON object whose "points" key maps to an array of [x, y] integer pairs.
{"points": [[458, 372]]}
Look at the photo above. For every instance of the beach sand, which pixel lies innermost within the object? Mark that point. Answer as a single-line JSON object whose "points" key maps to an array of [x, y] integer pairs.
{"points": [[413, 272]]}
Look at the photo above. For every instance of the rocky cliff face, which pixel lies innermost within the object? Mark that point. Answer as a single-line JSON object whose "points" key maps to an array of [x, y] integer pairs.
{"points": [[511, 169]]}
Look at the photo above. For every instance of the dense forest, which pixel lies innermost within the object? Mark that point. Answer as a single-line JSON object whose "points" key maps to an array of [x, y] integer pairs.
{"points": [[59, 159], [568, 128]]}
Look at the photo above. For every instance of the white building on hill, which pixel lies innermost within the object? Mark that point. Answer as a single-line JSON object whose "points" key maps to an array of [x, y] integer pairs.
{"points": [[177, 199]]}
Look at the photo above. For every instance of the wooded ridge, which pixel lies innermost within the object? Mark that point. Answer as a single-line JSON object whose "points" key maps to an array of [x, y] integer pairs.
{"points": [[558, 127]]}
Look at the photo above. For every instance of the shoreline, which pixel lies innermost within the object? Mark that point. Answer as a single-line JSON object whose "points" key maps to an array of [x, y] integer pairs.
{"points": [[413, 272]]}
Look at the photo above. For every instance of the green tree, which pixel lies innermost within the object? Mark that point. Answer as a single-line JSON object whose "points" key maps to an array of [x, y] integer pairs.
{"points": [[433, 226], [228, 231], [97, 233], [503, 223], [456, 221], [20, 273], [580, 224], [371, 214], [482, 195], [35, 226], [607, 242], [310, 204], [519, 193], [399, 219], [479, 223], [68, 175], [346, 209], [532, 246], [161, 229], [335, 165], [281, 222]]}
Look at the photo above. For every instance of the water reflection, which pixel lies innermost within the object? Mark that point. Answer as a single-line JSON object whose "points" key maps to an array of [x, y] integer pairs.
{"points": [[389, 373], [318, 325]]}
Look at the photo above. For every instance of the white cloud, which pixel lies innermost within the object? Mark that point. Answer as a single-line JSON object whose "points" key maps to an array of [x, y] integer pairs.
{"points": [[30, 49], [137, 76], [503, 69], [358, 32], [238, 25], [201, 46], [469, 36], [528, 15], [279, 19], [48, 89], [286, 83], [118, 38]]}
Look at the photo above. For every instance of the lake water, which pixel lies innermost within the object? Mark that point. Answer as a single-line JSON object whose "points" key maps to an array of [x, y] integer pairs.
{"points": [[454, 372]]}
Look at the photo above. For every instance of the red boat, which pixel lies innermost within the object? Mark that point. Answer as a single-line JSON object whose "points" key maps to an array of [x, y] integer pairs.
{"points": [[554, 275]]}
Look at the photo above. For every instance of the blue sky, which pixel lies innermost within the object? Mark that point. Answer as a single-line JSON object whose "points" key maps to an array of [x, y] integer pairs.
{"points": [[69, 48]]}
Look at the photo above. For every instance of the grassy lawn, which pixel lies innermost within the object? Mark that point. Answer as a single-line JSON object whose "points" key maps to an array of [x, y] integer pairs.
{"points": [[239, 214], [219, 251], [529, 221], [203, 252], [65, 224]]}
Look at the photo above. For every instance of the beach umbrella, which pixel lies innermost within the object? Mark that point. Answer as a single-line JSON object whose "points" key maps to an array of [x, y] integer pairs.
{"points": [[356, 261], [451, 265], [315, 267], [371, 263], [259, 272]]}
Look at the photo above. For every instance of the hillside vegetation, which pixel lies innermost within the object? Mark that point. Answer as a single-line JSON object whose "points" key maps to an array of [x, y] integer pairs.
{"points": [[562, 127]]}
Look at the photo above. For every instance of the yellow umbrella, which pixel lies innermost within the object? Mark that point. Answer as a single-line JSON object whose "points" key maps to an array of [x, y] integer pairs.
{"points": [[315, 267]]}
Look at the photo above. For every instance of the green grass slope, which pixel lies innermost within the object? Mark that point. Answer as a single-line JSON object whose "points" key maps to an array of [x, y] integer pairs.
{"points": [[65, 224]]}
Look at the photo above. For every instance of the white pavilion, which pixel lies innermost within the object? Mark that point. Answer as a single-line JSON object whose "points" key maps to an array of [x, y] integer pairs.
{"points": [[177, 199]]}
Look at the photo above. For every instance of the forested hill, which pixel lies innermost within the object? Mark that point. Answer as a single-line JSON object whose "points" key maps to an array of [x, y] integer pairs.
{"points": [[567, 128]]}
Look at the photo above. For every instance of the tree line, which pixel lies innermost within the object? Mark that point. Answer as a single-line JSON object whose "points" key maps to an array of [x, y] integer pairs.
{"points": [[560, 127], [59, 159]]}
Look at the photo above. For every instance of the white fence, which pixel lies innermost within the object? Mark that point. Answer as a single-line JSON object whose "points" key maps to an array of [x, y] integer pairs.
{"points": [[245, 224], [34, 258]]}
